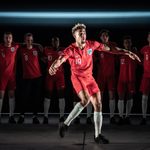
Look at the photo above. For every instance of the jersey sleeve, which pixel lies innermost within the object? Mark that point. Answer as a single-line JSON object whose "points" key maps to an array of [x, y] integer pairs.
{"points": [[66, 53], [98, 46]]}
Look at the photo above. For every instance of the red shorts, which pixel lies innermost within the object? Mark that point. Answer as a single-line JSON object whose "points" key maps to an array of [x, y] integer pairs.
{"points": [[7, 82], [87, 83], [54, 81], [106, 82], [126, 87], [145, 85]]}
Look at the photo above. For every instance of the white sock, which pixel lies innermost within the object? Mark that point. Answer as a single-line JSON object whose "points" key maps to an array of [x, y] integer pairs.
{"points": [[121, 107], [129, 105], [1, 104], [74, 103], [98, 119], [11, 106], [61, 106], [144, 105], [112, 107], [89, 110], [74, 113], [47, 102]]}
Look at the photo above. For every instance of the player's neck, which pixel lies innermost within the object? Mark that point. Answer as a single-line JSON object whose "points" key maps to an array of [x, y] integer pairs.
{"points": [[29, 46], [80, 45], [7, 45]]}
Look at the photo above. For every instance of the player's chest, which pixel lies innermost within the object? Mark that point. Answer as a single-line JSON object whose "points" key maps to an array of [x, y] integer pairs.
{"points": [[7, 52], [51, 56], [147, 55], [29, 55]]}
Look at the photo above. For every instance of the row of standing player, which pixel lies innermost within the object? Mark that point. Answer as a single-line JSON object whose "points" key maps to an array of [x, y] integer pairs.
{"points": [[26, 76], [26, 58]]}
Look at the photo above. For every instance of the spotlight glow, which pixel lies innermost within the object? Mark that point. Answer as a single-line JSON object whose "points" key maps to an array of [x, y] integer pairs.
{"points": [[68, 17]]}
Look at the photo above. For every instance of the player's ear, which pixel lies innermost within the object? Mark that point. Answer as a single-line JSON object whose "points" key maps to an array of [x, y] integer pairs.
{"points": [[74, 35]]}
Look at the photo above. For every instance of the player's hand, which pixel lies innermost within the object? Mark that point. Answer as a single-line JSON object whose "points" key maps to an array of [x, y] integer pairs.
{"points": [[133, 56], [52, 70], [137, 58]]}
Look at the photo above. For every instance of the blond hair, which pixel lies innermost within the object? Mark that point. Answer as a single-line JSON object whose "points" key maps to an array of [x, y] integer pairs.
{"points": [[78, 26]]}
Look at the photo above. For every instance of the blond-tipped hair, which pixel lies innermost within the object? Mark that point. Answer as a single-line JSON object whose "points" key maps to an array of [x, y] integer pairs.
{"points": [[78, 26]]}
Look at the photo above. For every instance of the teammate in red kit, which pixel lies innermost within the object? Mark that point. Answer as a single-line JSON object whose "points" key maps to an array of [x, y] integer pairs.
{"points": [[106, 75], [50, 54], [145, 84], [32, 80], [8, 52], [126, 82], [79, 55]]}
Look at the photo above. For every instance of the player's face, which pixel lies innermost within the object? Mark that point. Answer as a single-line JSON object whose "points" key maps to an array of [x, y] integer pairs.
{"points": [[148, 38], [127, 43], [104, 37], [8, 39], [80, 36], [55, 42], [29, 40]]}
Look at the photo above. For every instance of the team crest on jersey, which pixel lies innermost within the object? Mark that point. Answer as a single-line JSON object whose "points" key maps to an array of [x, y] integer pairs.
{"points": [[12, 49], [89, 51], [35, 53]]}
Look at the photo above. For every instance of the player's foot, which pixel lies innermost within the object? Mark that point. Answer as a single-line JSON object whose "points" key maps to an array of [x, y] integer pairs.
{"points": [[45, 120], [89, 121], [77, 120], [21, 119], [112, 120], [12, 120], [62, 129], [35, 120], [101, 139], [143, 121]]}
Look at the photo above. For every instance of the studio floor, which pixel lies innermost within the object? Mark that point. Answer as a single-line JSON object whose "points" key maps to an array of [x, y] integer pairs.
{"points": [[30, 136]]}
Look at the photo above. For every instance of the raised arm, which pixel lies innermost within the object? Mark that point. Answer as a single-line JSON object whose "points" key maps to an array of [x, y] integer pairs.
{"points": [[56, 64], [121, 51]]}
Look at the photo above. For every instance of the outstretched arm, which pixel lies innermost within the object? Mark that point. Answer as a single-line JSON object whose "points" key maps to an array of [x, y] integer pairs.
{"points": [[129, 53], [56, 64], [121, 51]]}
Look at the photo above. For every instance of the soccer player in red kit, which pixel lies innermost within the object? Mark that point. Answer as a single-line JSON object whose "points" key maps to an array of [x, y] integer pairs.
{"points": [[58, 81], [8, 52], [79, 55], [126, 82], [31, 84], [145, 84], [106, 75]]}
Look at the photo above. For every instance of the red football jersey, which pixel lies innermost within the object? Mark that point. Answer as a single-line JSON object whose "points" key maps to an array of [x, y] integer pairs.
{"points": [[127, 69], [30, 62], [146, 52], [81, 60], [50, 54], [107, 62], [8, 60]]}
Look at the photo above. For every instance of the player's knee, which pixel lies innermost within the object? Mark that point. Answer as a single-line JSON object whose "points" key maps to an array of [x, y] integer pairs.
{"points": [[84, 102]]}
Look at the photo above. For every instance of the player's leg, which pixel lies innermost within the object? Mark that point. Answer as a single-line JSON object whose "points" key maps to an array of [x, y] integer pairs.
{"points": [[2, 92], [98, 118], [75, 112], [11, 95]]}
